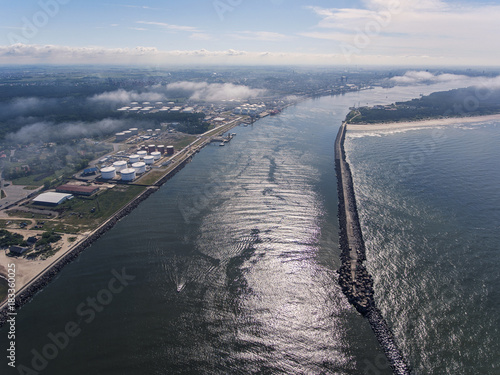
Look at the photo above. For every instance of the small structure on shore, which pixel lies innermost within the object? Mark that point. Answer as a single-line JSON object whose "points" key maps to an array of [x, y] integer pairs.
{"points": [[18, 250]]}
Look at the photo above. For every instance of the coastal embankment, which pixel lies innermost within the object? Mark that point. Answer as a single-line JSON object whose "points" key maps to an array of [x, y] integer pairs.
{"points": [[354, 279]]}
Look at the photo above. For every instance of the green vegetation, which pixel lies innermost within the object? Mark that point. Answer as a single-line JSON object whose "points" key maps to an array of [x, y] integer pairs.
{"points": [[48, 238], [184, 142], [88, 213], [4, 223], [2, 194], [454, 103], [151, 177], [10, 239]]}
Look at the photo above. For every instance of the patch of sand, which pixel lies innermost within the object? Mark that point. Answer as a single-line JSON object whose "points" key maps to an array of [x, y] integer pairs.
{"points": [[423, 124]]}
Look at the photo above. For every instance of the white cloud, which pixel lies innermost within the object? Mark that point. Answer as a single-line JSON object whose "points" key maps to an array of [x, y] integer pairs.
{"points": [[214, 91], [201, 36], [51, 54], [265, 36], [171, 27], [423, 77], [122, 96], [415, 77], [431, 27]]}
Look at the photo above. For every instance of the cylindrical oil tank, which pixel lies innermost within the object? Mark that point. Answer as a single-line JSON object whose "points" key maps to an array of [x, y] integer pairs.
{"points": [[120, 137], [142, 154], [119, 165], [170, 150], [149, 159], [128, 133], [144, 148], [156, 155], [108, 173], [134, 158], [161, 148], [134, 131], [128, 174], [140, 167], [157, 131], [151, 148]]}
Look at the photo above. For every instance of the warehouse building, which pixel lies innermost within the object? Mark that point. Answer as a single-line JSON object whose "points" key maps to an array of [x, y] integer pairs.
{"points": [[51, 199]]}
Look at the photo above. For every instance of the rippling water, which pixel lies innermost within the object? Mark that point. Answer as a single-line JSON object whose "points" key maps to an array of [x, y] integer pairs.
{"points": [[430, 209], [234, 264]]}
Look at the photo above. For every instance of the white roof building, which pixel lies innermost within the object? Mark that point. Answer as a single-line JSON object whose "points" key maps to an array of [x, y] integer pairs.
{"points": [[52, 199]]}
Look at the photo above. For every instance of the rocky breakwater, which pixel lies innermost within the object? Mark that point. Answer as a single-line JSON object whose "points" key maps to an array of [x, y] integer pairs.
{"points": [[354, 279]]}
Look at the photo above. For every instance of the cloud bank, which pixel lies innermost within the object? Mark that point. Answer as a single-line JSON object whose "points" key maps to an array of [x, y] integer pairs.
{"points": [[200, 91], [214, 91], [50, 132], [423, 77]]}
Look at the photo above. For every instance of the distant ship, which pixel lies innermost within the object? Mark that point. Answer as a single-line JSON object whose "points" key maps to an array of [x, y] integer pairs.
{"points": [[275, 111]]}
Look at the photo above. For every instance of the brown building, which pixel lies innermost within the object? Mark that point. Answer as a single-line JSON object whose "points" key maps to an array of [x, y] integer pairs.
{"points": [[77, 189]]}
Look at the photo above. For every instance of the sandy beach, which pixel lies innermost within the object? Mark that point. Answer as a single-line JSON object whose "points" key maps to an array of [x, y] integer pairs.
{"points": [[424, 123]]}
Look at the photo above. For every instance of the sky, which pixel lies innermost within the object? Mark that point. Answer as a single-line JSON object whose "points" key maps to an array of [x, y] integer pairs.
{"points": [[250, 32]]}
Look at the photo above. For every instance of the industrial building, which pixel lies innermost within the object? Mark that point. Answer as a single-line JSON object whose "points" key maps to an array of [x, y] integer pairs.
{"points": [[77, 189], [51, 199]]}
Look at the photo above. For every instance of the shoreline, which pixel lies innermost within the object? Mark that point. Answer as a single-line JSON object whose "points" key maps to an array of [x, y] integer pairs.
{"points": [[41, 279], [422, 123], [353, 277]]}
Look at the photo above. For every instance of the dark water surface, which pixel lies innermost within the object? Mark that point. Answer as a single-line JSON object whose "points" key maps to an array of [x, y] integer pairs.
{"points": [[429, 203], [234, 269]]}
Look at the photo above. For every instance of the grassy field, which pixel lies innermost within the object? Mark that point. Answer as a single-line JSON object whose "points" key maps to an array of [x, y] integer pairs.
{"points": [[150, 178], [37, 180], [88, 213], [184, 142], [12, 223]]}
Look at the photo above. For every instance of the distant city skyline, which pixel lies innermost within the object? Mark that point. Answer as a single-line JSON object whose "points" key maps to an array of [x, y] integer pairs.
{"points": [[243, 32]]}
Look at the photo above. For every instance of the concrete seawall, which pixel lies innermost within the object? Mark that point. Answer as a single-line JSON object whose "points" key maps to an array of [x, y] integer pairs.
{"points": [[354, 279]]}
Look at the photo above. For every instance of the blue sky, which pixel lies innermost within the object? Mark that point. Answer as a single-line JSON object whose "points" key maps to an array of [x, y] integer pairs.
{"points": [[399, 32]]}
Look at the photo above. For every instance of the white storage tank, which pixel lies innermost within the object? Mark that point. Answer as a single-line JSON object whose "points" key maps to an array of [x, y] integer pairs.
{"points": [[149, 159], [134, 158], [108, 173], [119, 165], [156, 155], [128, 174], [140, 167], [142, 154]]}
